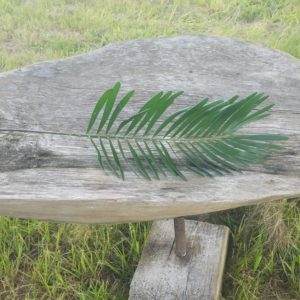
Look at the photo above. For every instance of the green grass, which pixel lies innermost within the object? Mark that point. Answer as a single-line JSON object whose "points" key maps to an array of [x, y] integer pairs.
{"points": [[264, 253], [41, 260], [62, 261]]}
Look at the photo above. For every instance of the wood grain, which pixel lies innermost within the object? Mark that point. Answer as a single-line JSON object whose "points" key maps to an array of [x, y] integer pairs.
{"points": [[49, 175], [162, 275]]}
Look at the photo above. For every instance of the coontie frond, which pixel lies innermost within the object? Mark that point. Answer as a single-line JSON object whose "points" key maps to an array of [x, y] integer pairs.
{"points": [[203, 138]]}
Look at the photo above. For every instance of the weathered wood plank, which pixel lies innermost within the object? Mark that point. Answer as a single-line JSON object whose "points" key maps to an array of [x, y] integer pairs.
{"points": [[82, 195], [42, 102], [162, 275]]}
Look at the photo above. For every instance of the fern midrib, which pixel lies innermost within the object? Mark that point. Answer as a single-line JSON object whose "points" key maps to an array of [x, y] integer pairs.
{"points": [[129, 138], [122, 137]]}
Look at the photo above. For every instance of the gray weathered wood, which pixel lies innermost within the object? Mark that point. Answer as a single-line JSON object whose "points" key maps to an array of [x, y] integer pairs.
{"points": [[162, 275], [39, 165]]}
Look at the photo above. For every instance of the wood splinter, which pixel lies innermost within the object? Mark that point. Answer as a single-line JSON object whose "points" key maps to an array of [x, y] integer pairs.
{"points": [[180, 237]]}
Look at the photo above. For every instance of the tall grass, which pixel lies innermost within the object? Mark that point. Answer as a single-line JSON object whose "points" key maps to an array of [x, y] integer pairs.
{"points": [[264, 253], [41, 260]]}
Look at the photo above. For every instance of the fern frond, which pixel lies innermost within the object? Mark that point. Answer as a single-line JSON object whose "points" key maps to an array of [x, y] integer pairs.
{"points": [[202, 138]]}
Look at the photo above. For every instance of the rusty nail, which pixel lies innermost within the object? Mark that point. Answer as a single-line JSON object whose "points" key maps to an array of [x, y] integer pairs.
{"points": [[180, 238]]}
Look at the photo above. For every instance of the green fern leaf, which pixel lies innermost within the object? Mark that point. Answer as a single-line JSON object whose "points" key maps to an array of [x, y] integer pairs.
{"points": [[202, 138]]}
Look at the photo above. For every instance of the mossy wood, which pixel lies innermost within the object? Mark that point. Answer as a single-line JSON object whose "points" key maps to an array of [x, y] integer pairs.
{"points": [[46, 174]]}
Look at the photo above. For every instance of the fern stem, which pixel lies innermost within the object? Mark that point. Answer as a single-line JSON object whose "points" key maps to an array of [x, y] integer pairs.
{"points": [[125, 138], [160, 138]]}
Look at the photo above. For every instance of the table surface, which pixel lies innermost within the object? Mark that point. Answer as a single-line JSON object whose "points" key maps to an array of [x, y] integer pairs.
{"points": [[45, 174]]}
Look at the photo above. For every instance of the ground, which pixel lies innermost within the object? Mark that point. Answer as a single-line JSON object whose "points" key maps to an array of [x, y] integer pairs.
{"points": [[41, 260]]}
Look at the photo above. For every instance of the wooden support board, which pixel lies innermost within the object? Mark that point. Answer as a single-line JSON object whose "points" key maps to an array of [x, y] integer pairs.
{"points": [[162, 275]]}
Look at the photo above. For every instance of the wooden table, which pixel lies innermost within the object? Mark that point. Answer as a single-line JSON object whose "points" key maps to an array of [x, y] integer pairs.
{"points": [[48, 174]]}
